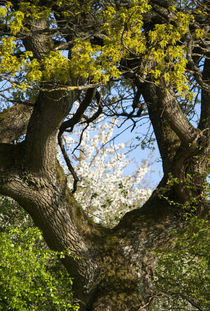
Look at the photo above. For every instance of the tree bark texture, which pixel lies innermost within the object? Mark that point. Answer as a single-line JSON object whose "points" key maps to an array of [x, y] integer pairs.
{"points": [[112, 268]]}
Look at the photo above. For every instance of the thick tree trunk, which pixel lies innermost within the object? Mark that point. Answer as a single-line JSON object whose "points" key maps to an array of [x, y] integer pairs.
{"points": [[112, 269], [128, 261]]}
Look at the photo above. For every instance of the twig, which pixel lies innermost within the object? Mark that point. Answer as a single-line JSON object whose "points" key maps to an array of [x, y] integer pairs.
{"points": [[70, 123], [79, 113], [68, 162]]}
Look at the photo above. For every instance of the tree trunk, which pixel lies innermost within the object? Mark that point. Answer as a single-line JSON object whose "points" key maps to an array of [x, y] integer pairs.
{"points": [[112, 269]]}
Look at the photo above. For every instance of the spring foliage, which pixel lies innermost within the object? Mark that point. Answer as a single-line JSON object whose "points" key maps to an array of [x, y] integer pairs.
{"points": [[182, 273], [161, 50], [102, 43], [30, 276]]}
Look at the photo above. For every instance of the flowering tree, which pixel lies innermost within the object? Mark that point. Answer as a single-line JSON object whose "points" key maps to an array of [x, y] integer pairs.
{"points": [[126, 59], [104, 190]]}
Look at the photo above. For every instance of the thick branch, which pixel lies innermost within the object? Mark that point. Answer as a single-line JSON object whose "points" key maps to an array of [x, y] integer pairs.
{"points": [[13, 122], [29, 173], [167, 139], [172, 111], [80, 111], [49, 112], [64, 224], [171, 127], [36, 41], [205, 98]]}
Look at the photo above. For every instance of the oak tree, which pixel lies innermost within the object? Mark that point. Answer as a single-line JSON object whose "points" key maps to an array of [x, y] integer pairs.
{"points": [[68, 62]]}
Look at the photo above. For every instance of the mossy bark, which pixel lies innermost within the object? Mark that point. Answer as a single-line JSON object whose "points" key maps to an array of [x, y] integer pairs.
{"points": [[112, 269]]}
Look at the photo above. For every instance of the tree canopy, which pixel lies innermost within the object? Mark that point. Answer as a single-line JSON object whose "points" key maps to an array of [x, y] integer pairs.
{"points": [[69, 63]]}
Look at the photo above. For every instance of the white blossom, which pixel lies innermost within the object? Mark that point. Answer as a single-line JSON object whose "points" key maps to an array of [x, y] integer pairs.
{"points": [[104, 191]]}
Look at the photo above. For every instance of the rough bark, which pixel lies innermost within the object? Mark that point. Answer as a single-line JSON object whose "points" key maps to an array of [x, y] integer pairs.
{"points": [[112, 269], [31, 175], [13, 123], [183, 148]]}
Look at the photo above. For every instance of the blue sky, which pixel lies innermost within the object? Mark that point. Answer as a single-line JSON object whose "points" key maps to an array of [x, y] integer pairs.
{"points": [[151, 156]]}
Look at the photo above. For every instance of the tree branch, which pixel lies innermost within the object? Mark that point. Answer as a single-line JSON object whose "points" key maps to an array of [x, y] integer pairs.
{"points": [[193, 303], [167, 139], [13, 122], [70, 123], [36, 41], [79, 113], [40, 144], [176, 118], [68, 163], [205, 98]]}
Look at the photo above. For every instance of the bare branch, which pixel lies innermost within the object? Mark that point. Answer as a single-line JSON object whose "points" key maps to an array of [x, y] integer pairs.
{"points": [[79, 113], [70, 124], [205, 99], [90, 120], [68, 162]]}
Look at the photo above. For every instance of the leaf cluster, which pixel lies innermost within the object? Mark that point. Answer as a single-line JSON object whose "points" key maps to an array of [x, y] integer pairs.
{"points": [[182, 272], [30, 276], [98, 42]]}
